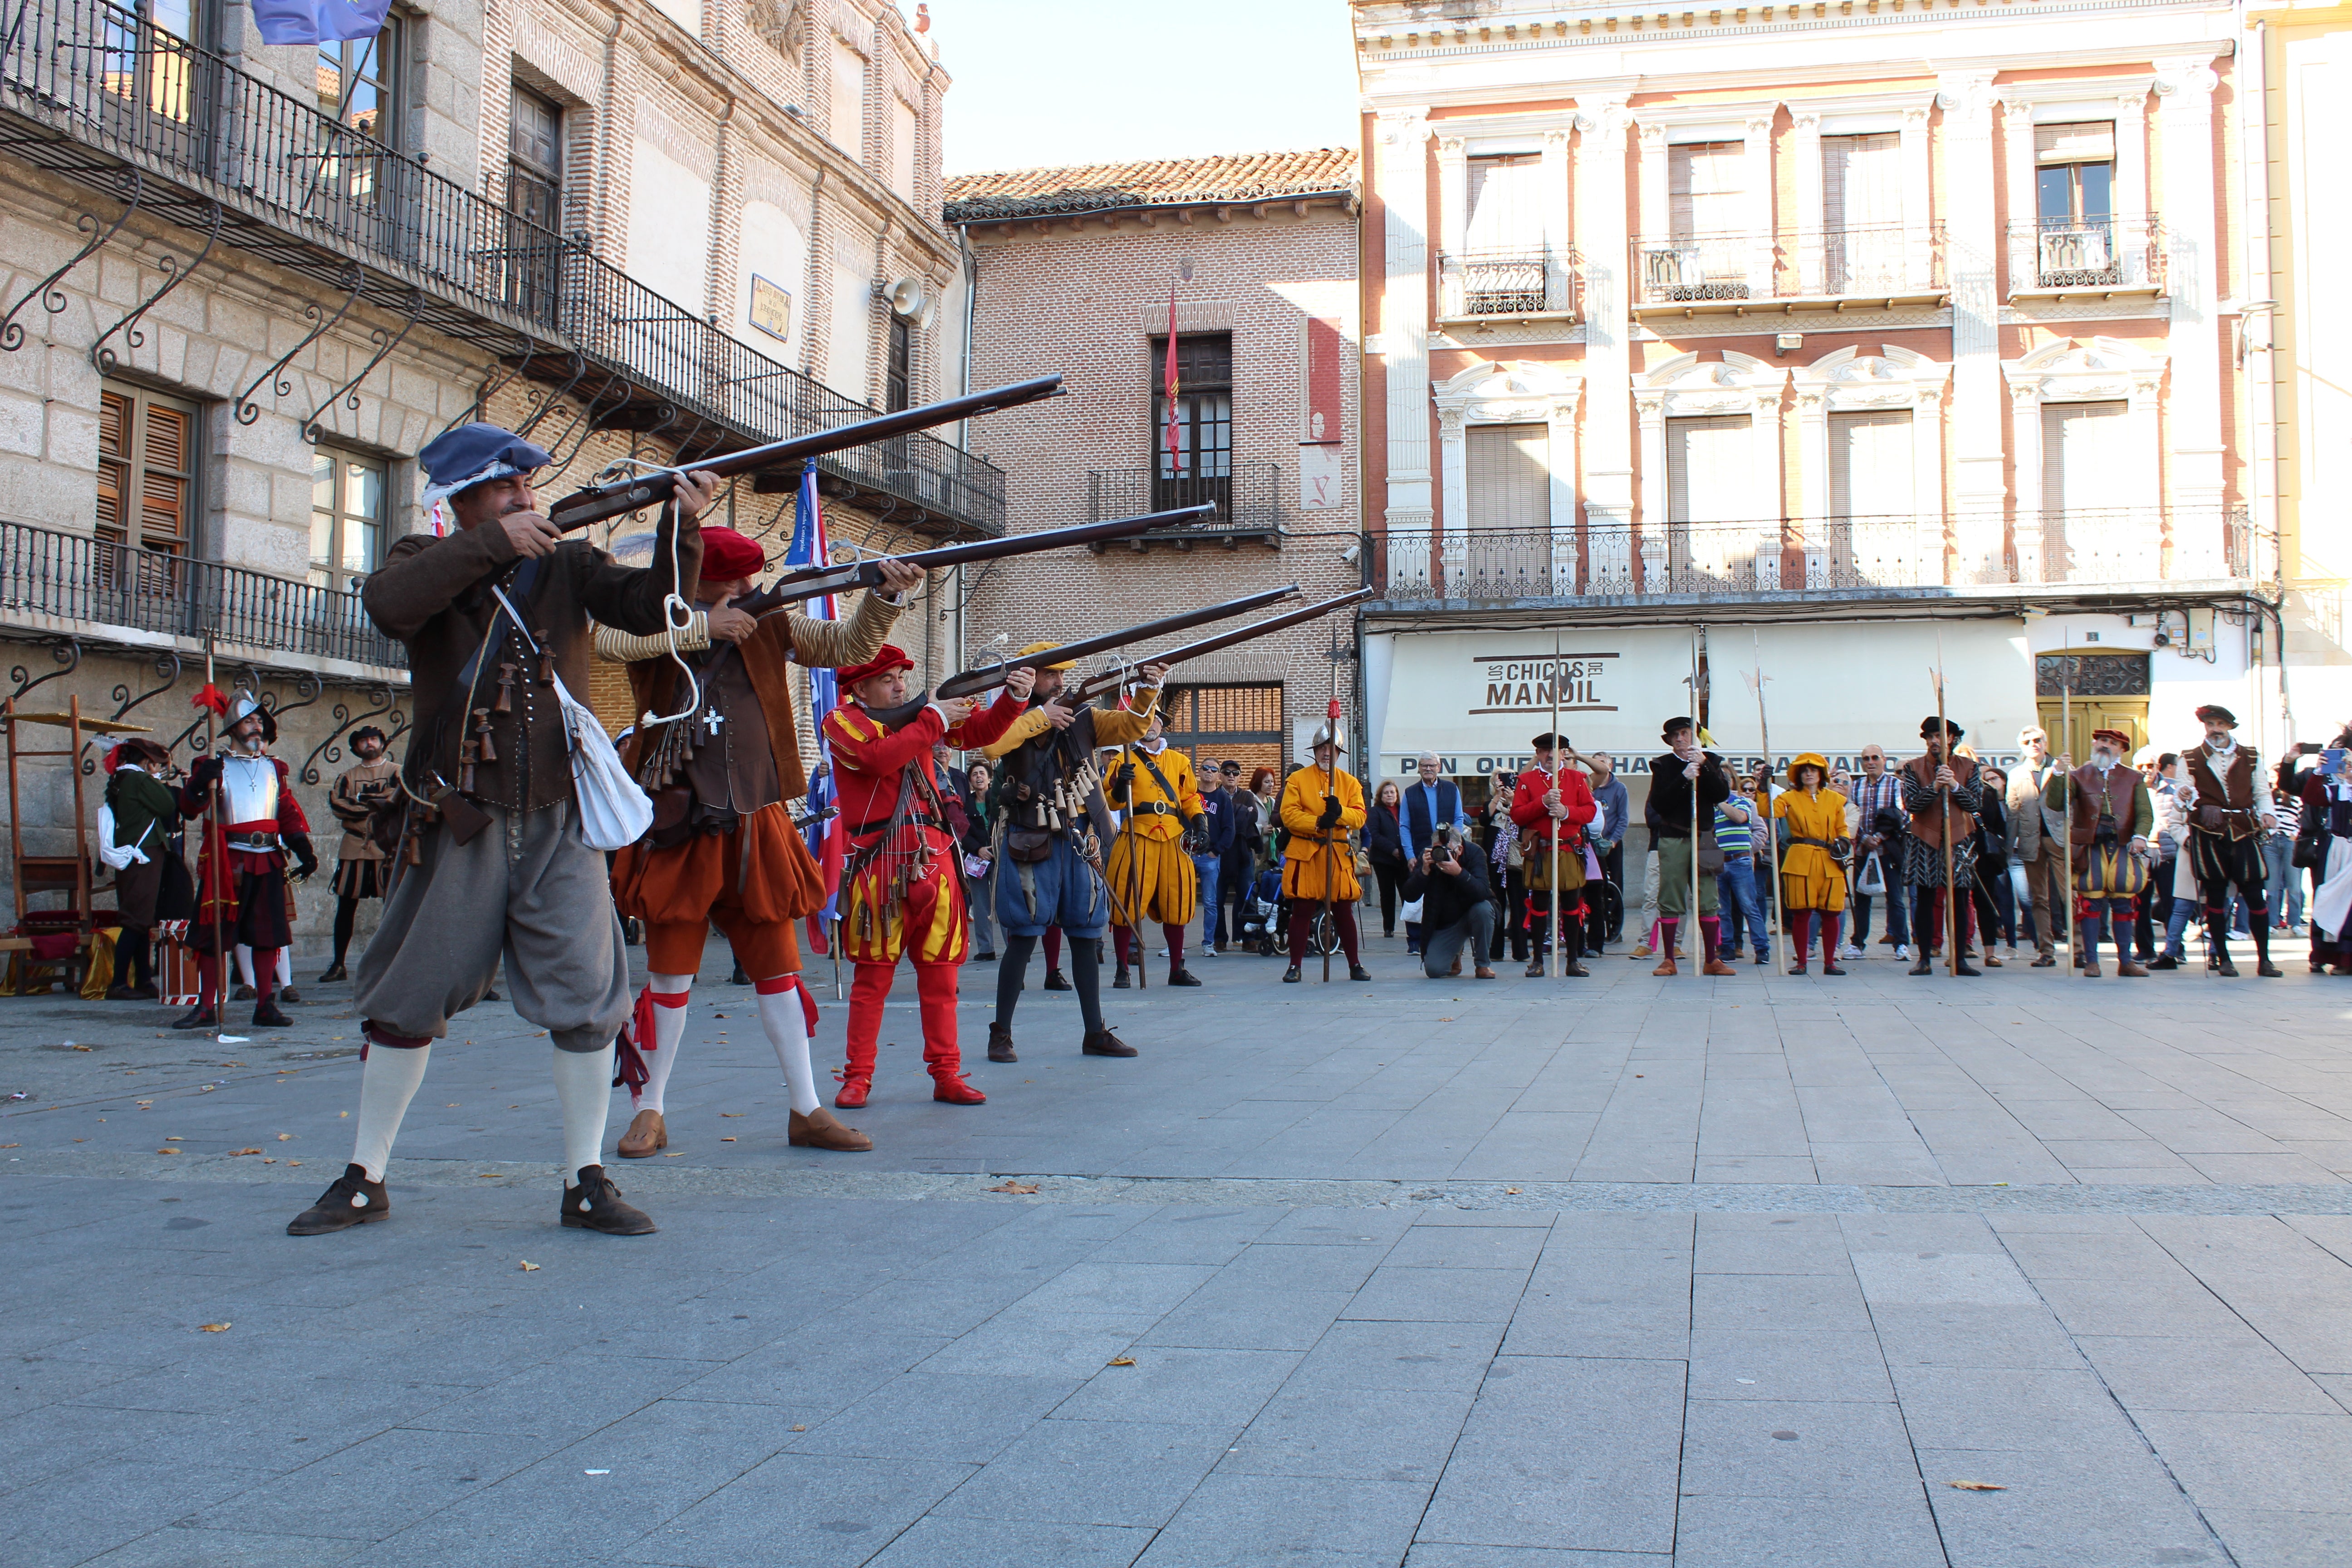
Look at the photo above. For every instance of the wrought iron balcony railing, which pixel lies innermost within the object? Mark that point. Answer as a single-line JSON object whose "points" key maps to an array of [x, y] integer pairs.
{"points": [[93, 92], [95, 584], [1859, 259], [1533, 281], [1247, 497], [1848, 555], [2085, 256]]}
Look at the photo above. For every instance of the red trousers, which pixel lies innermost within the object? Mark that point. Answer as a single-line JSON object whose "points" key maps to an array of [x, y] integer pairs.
{"points": [[935, 989], [208, 970]]}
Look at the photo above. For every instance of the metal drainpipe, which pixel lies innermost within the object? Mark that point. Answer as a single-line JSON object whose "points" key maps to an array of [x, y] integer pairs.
{"points": [[2254, 159], [964, 259]]}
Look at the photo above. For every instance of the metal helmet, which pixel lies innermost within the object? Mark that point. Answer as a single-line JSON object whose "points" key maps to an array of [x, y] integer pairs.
{"points": [[1326, 736], [246, 704]]}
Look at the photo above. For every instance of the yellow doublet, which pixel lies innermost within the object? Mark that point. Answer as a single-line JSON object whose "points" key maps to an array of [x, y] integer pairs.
{"points": [[1147, 845], [1809, 878], [1113, 727], [1305, 859]]}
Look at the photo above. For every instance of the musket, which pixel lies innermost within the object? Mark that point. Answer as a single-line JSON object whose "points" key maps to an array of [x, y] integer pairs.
{"points": [[597, 502], [1772, 824], [217, 855], [1330, 789], [977, 680], [1553, 962], [815, 581], [1095, 686]]}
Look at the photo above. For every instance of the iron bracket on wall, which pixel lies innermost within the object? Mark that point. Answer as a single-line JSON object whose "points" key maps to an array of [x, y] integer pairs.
{"points": [[167, 666], [385, 341], [379, 703], [351, 281], [67, 651], [578, 368], [174, 276], [497, 381], [585, 426], [53, 298]]}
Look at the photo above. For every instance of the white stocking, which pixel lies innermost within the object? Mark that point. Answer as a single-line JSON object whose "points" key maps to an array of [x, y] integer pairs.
{"points": [[787, 1029], [387, 1083], [285, 967], [584, 1087], [245, 963], [669, 1028]]}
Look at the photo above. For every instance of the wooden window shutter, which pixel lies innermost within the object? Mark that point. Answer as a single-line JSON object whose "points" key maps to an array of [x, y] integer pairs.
{"points": [[114, 416], [163, 494]]}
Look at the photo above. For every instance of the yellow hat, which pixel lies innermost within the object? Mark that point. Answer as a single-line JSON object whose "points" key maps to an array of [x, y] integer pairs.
{"points": [[1046, 647]]}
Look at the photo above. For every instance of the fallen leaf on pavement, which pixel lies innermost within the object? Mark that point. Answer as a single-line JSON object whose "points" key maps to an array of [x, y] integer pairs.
{"points": [[529, 1267], [215, 1328], [487, 1175], [291, 1163], [1120, 1360], [800, 1428], [1975, 1487], [1012, 1187], [286, 1137], [167, 1150], [731, 1113], [269, 1162], [1510, 1192], [671, 1156], [726, 1140], [235, 1153], [81, 1048]]}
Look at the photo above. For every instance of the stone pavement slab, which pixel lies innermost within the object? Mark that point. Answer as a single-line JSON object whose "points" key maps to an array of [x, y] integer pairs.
{"points": [[1521, 1274]]}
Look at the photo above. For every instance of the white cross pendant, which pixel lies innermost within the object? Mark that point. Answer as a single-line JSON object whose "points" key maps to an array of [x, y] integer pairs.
{"points": [[712, 720]]}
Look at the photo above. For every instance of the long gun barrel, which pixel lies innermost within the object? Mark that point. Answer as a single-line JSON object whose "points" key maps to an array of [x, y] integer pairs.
{"points": [[972, 680], [1103, 682], [598, 502], [814, 582]]}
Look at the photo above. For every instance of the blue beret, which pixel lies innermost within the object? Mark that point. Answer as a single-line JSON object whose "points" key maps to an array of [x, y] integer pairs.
{"points": [[473, 453]]}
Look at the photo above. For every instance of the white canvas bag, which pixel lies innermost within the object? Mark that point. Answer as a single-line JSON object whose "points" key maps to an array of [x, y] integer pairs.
{"points": [[614, 813]]}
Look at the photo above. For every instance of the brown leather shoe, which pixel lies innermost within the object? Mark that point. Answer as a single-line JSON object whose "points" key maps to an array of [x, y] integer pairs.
{"points": [[646, 1138], [1457, 970], [1481, 973], [1720, 970], [821, 1128], [1666, 965], [2131, 971]]}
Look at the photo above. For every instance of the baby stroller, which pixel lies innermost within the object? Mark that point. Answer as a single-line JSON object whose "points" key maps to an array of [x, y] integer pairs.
{"points": [[1322, 930], [1266, 915]]}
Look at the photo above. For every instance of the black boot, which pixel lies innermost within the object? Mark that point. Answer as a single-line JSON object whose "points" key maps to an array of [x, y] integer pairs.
{"points": [[1120, 982], [198, 1017], [1180, 976], [1103, 1042], [595, 1204], [1357, 972], [266, 1016], [1572, 950], [1054, 982], [999, 1043], [352, 1200], [335, 972], [288, 994], [1290, 977], [2261, 920]]}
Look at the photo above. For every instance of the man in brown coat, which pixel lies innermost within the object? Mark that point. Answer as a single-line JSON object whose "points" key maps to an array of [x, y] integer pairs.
{"points": [[2231, 810], [723, 850], [493, 615], [367, 793]]}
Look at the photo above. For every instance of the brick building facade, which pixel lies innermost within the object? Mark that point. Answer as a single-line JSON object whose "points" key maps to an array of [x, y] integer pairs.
{"points": [[1073, 272], [632, 230]]}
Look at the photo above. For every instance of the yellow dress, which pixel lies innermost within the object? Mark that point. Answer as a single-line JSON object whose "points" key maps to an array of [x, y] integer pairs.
{"points": [[1305, 859], [1809, 878], [1149, 846]]}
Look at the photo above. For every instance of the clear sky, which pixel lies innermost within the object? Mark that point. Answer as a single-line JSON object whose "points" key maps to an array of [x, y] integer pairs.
{"points": [[1045, 82]]}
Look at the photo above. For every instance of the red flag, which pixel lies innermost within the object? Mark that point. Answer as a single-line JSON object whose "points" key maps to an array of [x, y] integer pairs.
{"points": [[1175, 462]]}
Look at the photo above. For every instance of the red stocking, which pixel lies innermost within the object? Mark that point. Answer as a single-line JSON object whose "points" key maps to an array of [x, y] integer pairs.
{"points": [[867, 992], [1175, 935], [265, 973], [1801, 935], [1053, 947], [1830, 927], [935, 988]]}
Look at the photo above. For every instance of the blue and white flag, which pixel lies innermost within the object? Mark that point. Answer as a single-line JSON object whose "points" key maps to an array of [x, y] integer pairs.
{"points": [[811, 548], [318, 21]]}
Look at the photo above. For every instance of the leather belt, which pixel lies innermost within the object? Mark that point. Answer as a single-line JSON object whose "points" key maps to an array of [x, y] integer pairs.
{"points": [[254, 845], [1153, 809], [913, 819]]}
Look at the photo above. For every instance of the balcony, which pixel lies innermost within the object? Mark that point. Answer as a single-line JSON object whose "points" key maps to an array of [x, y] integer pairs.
{"points": [[1507, 285], [90, 93], [2099, 257], [1248, 500], [1790, 272], [72, 584], [1800, 562]]}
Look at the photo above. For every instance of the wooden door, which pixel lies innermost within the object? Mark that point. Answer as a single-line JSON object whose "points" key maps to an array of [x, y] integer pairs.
{"points": [[2128, 714]]}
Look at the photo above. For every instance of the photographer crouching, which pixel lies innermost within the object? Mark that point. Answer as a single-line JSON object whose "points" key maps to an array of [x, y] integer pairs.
{"points": [[1457, 904]]}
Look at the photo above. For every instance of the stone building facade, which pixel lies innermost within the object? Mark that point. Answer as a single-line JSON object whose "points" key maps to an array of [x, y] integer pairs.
{"points": [[244, 284], [1819, 343], [1075, 271]]}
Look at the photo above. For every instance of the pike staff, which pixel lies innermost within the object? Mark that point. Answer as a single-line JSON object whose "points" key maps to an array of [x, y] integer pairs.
{"points": [[1552, 958], [1771, 822], [1944, 809], [1331, 936], [217, 848], [2066, 833], [1699, 955]]}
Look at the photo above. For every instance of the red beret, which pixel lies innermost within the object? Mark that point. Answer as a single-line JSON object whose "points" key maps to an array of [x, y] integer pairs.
{"points": [[726, 556], [882, 663]]}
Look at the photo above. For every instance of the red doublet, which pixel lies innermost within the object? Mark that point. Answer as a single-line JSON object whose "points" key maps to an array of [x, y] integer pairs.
{"points": [[1527, 809], [905, 896]]}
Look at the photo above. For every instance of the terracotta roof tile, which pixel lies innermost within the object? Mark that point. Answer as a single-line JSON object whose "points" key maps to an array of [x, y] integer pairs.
{"points": [[1090, 187]]}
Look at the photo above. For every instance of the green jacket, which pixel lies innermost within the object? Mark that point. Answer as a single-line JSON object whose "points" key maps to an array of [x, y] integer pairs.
{"points": [[141, 801]]}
